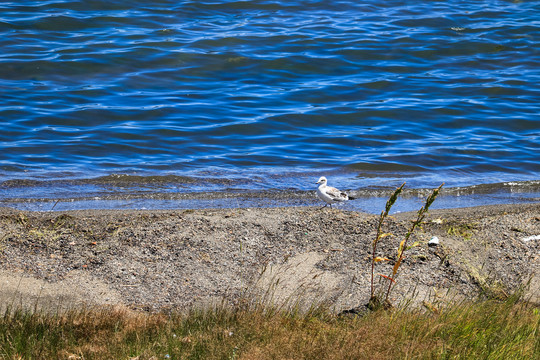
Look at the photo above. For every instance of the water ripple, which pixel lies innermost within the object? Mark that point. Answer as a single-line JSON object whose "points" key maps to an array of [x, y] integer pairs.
{"points": [[432, 91]]}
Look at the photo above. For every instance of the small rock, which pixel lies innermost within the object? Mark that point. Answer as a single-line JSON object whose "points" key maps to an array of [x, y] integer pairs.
{"points": [[529, 238], [434, 241]]}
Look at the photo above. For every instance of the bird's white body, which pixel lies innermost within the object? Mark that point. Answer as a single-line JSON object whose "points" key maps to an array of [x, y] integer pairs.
{"points": [[330, 195]]}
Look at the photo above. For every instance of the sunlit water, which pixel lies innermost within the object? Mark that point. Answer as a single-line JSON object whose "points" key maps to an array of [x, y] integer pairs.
{"points": [[143, 104]]}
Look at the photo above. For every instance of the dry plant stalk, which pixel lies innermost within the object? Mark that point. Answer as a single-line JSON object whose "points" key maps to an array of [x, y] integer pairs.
{"points": [[375, 301], [403, 245], [381, 235]]}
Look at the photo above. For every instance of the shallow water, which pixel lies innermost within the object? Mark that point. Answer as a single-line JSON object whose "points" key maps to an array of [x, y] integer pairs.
{"points": [[206, 96], [124, 192]]}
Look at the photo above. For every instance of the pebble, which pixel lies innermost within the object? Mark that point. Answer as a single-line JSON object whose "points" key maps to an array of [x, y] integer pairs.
{"points": [[434, 241], [529, 238]]}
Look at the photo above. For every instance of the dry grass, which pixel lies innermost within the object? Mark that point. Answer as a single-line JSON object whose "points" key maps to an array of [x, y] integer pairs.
{"points": [[483, 329]]}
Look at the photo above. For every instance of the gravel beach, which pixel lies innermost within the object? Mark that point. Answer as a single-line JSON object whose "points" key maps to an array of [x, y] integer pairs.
{"points": [[175, 260]]}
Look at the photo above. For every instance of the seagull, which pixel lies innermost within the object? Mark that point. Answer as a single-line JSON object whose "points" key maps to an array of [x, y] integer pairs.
{"points": [[330, 194]]}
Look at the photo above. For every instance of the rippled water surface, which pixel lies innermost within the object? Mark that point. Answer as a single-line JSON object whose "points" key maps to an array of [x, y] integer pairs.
{"points": [[199, 96]]}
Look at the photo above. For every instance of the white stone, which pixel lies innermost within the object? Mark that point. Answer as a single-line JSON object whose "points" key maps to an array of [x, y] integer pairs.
{"points": [[434, 241], [529, 238]]}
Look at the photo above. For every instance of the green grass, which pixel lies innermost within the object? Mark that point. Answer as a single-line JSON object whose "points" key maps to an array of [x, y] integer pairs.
{"points": [[484, 329]]}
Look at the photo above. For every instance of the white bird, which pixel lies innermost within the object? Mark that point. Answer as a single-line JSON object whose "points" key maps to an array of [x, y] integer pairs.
{"points": [[330, 194]]}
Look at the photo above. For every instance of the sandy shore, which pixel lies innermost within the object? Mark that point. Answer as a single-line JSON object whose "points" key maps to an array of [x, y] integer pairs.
{"points": [[161, 260]]}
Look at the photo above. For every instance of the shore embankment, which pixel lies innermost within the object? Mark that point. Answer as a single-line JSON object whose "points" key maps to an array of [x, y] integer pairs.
{"points": [[159, 260]]}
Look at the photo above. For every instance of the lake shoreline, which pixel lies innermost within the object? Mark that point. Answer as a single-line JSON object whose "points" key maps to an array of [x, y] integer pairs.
{"points": [[160, 260], [160, 194]]}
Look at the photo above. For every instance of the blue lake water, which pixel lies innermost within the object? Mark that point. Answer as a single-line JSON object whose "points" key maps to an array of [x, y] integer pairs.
{"points": [[113, 104]]}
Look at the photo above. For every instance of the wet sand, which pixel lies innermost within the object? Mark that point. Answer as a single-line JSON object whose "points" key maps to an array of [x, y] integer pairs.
{"points": [[160, 260]]}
